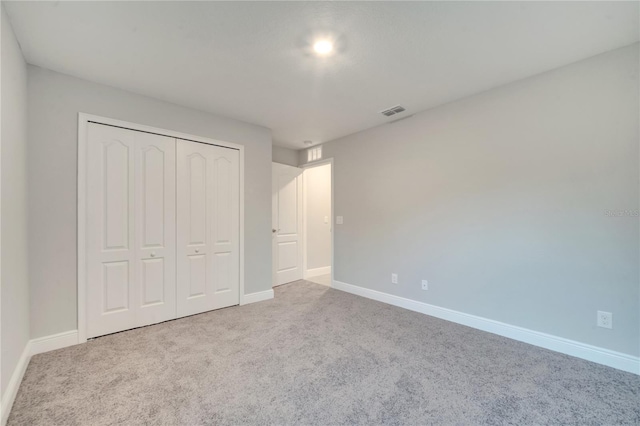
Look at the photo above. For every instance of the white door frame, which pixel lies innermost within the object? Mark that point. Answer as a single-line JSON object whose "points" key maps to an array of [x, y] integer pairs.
{"points": [[304, 214], [83, 125]]}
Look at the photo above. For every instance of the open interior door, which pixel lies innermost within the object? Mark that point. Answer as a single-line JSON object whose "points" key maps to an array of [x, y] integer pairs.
{"points": [[287, 223]]}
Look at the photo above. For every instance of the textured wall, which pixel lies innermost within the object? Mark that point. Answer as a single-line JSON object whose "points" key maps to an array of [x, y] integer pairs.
{"points": [[15, 280], [500, 200], [54, 102]]}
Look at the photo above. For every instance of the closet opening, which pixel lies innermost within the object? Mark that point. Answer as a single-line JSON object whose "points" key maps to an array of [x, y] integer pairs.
{"points": [[160, 225]]}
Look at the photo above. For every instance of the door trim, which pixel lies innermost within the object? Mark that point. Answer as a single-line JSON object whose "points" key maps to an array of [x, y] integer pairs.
{"points": [[304, 215], [83, 126]]}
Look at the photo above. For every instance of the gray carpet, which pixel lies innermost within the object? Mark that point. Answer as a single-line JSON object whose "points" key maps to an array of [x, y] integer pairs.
{"points": [[315, 355]]}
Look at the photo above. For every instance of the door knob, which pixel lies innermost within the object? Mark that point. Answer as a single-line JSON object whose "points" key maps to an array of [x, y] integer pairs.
{"points": [[197, 250], [274, 231], [153, 254]]}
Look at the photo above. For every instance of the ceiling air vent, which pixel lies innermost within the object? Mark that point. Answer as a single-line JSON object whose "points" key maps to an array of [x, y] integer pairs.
{"points": [[392, 111]]}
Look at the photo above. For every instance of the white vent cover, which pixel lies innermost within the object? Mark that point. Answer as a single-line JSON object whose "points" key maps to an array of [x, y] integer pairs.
{"points": [[314, 153], [393, 111]]}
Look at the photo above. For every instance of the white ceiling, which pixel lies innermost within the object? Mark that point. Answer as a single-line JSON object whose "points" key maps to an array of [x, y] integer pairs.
{"points": [[251, 60]]}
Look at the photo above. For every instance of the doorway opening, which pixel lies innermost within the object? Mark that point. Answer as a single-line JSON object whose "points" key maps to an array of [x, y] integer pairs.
{"points": [[318, 223], [302, 224]]}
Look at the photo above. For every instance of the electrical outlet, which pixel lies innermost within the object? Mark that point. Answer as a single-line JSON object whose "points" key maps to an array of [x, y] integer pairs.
{"points": [[339, 220], [605, 319], [425, 285], [394, 278]]}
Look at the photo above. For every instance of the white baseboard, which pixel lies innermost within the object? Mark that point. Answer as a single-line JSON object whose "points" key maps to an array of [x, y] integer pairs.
{"points": [[14, 384], [309, 273], [53, 342], [33, 347], [257, 297], [596, 354]]}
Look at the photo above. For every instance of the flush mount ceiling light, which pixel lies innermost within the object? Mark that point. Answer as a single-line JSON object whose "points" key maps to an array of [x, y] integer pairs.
{"points": [[308, 142], [323, 47]]}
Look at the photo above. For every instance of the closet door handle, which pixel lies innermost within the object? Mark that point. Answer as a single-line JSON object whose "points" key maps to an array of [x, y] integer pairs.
{"points": [[197, 250], [153, 254]]}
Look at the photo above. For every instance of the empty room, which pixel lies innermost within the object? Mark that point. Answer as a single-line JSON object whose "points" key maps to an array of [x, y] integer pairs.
{"points": [[320, 213]]}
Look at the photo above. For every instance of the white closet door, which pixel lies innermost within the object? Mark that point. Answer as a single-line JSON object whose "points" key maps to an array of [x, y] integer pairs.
{"points": [[226, 227], [207, 227], [155, 228], [130, 229]]}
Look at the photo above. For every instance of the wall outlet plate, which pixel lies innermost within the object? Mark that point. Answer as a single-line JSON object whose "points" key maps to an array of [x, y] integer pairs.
{"points": [[425, 285], [394, 278], [605, 319], [339, 220]]}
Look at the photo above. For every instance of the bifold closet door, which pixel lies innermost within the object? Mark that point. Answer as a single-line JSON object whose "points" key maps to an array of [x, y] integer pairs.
{"points": [[131, 229], [208, 228]]}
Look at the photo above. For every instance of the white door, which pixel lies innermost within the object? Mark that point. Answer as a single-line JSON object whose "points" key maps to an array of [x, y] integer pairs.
{"points": [[208, 194], [287, 223], [130, 229]]}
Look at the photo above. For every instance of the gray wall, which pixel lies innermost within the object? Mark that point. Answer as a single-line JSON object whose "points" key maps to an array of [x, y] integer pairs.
{"points": [[54, 102], [285, 156], [15, 283], [500, 201], [317, 195]]}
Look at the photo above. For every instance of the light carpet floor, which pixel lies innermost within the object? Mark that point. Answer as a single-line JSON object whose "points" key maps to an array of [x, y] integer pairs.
{"points": [[315, 355]]}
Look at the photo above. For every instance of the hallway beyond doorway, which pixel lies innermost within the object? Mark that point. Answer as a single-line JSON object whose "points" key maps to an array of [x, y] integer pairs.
{"points": [[321, 279]]}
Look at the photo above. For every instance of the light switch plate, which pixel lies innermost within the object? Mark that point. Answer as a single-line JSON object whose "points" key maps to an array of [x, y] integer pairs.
{"points": [[326, 219], [339, 220]]}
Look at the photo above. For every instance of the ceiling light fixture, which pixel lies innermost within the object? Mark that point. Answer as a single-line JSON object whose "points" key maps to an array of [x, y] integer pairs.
{"points": [[323, 47], [308, 142]]}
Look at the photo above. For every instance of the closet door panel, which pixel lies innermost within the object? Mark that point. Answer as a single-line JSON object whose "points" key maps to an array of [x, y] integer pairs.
{"points": [[194, 210], [110, 222], [116, 286], [208, 227], [226, 229], [197, 276], [196, 201], [130, 229], [155, 228], [153, 283]]}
